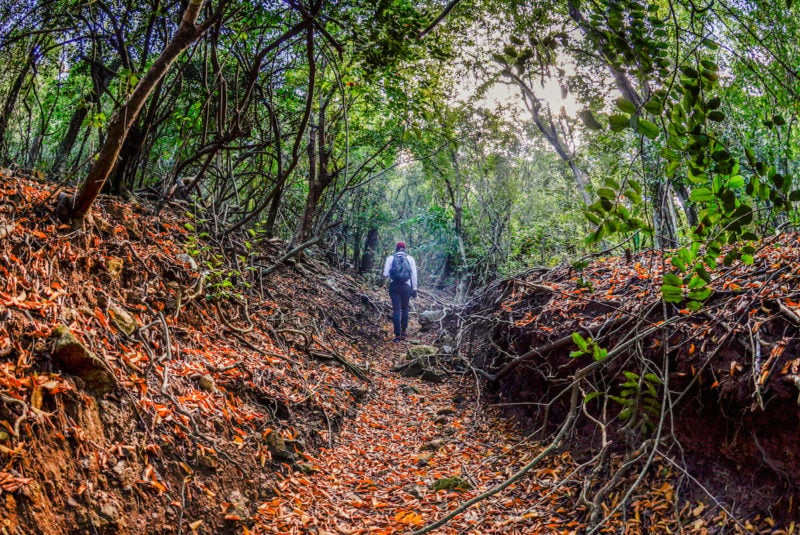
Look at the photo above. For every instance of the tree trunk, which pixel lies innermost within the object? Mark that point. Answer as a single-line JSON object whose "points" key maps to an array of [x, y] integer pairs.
{"points": [[122, 119], [306, 222], [11, 101], [370, 248], [664, 217], [688, 208], [545, 123], [123, 171], [101, 76], [319, 174]]}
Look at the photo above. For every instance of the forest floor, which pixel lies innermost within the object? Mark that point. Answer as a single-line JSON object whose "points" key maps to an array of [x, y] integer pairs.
{"points": [[379, 476], [184, 407]]}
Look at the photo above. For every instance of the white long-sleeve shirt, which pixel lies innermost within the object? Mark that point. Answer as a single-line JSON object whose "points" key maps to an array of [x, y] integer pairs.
{"points": [[388, 266]]}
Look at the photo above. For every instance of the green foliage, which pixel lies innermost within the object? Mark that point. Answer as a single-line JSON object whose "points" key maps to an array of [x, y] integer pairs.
{"points": [[587, 346], [639, 401], [220, 281], [689, 124], [616, 210]]}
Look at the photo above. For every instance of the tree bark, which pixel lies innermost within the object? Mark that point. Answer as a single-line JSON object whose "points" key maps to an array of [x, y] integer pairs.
{"points": [[664, 217], [122, 119], [11, 101], [688, 208], [101, 76], [370, 247]]}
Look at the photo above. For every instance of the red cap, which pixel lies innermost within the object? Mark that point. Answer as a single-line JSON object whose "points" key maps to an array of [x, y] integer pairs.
{"points": [[400, 245]]}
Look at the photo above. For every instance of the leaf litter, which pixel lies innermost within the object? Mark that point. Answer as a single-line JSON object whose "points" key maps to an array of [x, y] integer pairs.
{"points": [[275, 414]]}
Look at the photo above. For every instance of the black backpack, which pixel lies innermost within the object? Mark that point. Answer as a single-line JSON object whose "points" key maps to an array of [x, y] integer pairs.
{"points": [[401, 269]]}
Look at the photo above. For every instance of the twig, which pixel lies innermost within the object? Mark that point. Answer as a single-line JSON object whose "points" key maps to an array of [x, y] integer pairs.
{"points": [[289, 254], [556, 442], [793, 318], [707, 492], [552, 346], [183, 504], [21, 417], [233, 327]]}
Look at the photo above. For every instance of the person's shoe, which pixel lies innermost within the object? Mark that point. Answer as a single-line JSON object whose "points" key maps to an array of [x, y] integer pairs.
{"points": [[403, 335], [397, 339]]}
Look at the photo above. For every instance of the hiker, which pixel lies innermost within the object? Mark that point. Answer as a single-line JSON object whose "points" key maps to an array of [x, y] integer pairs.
{"points": [[401, 269]]}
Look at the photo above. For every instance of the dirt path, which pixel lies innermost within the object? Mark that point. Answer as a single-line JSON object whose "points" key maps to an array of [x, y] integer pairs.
{"points": [[378, 476]]}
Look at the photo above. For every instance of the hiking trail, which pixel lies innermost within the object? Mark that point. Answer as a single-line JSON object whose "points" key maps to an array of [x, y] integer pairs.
{"points": [[409, 438]]}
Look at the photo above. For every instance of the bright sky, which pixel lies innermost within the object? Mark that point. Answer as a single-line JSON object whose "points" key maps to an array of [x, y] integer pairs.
{"points": [[551, 92]]}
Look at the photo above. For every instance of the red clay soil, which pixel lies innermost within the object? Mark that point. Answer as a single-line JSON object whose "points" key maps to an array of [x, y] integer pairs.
{"points": [[733, 428]]}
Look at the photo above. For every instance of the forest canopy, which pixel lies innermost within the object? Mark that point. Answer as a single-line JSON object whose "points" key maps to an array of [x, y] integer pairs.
{"points": [[357, 123]]}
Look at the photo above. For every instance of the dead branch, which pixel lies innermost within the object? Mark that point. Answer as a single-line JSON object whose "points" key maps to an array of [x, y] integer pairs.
{"points": [[552, 346], [555, 443], [233, 327], [21, 417], [300, 248]]}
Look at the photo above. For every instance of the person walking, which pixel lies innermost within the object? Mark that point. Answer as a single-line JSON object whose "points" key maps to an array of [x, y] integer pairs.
{"points": [[401, 270]]}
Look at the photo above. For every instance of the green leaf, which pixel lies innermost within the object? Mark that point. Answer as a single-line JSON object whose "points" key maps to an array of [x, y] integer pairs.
{"points": [[592, 218], [631, 376], [716, 116], [590, 121], [653, 106], [626, 105], [590, 396], [778, 120], [648, 128], [633, 196], [671, 168], [618, 122], [694, 306], [653, 378], [714, 103], [671, 294], [701, 195], [607, 193], [689, 72], [696, 282], [720, 155], [700, 294], [672, 279], [580, 341], [501, 59], [751, 158], [708, 64], [735, 182], [748, 259]]}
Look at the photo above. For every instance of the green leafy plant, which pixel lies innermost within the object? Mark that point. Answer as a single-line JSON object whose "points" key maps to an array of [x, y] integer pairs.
{"points": [[639, 401], [219, 279], [587, 346]]}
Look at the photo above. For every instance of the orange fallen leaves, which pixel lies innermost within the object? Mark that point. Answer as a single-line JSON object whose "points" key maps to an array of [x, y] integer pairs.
{"points": [[409, 517]]}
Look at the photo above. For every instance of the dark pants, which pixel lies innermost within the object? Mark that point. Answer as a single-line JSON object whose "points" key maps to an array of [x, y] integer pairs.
{"points": [[400, 292]]}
